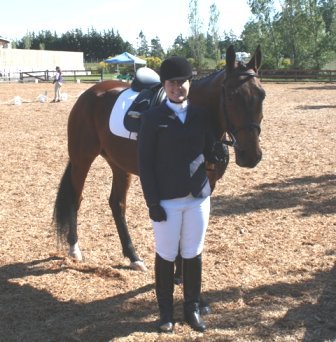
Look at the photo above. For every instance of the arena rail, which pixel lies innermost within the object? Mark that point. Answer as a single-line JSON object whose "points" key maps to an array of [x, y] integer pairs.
{"points": [[92, 76], [298, 75], [68, 75], [286, 75]]}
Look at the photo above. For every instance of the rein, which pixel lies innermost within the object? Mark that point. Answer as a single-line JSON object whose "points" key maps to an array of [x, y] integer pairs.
{"points": [[250, 125]]}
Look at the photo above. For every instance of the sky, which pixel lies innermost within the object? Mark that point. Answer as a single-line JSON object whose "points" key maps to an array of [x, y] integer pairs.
{"points": [[165, 19]]}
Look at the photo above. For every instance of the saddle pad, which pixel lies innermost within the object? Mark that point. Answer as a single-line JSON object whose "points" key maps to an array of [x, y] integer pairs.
{"points": [[118, 112]]}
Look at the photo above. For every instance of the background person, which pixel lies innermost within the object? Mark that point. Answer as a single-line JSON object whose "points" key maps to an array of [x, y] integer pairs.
{"points": [[175, 139], [58, 81]]}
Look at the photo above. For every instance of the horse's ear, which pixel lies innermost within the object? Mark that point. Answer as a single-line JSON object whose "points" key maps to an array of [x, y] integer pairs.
{"points": [[230, 58], [255, 61]]}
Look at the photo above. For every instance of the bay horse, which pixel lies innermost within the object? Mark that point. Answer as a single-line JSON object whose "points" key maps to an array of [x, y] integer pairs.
{"points": [[234, 95]]}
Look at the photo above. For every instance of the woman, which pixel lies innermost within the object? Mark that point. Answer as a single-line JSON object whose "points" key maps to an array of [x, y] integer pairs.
{"points": [[174, 141], [58, 81]]}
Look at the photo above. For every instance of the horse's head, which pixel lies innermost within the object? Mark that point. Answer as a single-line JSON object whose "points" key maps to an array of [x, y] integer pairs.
{"points": [[241, 105]]}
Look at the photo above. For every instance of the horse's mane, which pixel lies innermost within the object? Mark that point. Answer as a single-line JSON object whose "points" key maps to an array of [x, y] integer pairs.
{"points": [[211, 74], [239, 66]]}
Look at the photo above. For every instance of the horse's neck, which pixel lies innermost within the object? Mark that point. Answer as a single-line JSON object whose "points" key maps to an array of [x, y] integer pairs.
{"points": [[207, 93]]}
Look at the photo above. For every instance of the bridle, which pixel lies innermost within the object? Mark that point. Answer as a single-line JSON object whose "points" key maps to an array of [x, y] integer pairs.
{"points": [[232, 131]]}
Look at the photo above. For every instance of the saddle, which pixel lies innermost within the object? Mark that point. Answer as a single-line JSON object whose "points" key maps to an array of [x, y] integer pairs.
{"points": [[147, 83]]}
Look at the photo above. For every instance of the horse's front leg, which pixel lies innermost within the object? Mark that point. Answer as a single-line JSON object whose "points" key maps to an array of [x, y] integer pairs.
{"points": [[117, 201]]}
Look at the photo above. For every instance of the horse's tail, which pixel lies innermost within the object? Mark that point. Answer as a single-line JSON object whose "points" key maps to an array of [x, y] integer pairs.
{"points": [[65, 209]]}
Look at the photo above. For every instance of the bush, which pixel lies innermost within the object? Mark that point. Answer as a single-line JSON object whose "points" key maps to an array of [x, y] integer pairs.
{"points": [[221, 64], [153, 62], [286, 63], [102, 66]]}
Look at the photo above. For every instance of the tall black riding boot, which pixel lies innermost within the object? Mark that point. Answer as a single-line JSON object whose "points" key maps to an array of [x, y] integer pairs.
{"points": [[164, 287], [178, 270], [178, 280], [192, 278]]}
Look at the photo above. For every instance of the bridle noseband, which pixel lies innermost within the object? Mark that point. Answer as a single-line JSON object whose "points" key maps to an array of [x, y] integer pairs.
{"points": [[231, 131]]}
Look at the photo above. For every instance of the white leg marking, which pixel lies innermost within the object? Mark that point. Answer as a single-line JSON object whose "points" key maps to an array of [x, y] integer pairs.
{"points": [[74, 252], [138, 266]]}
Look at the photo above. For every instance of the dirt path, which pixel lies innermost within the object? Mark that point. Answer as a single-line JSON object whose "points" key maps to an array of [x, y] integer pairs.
{"points": [[269, 260]]}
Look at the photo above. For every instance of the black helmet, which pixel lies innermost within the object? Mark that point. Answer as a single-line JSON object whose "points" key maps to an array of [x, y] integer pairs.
{"points": [[175, 68]]}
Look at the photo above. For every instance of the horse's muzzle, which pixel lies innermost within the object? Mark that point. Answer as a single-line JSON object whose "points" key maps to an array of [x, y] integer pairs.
{"points": [[244, 159]]}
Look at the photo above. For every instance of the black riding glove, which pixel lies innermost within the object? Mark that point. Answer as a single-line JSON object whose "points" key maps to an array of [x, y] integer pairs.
{"points": [[157, 213], [219, 153]]}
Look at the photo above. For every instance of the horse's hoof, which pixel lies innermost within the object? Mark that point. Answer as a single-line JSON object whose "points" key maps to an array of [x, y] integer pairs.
{"points": [[138, 266], [77, 256], [75, 253]]}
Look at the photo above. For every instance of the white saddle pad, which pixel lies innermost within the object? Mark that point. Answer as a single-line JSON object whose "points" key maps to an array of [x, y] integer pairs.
{"points": [[118, 112]]}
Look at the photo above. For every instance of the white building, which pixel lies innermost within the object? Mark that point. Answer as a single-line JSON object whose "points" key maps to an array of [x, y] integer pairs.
{"points": [[14, 61]]}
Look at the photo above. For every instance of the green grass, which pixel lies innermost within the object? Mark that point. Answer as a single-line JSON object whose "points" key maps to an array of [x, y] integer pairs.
{"points": [[330, 66], [94, 77]]}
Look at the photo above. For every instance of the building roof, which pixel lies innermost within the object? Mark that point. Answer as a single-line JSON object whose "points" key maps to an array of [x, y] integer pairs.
{"points": [[4, 40]]}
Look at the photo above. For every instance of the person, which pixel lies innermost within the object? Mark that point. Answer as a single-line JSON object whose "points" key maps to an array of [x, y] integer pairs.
{"points": [[58, 81], [175, 140]]}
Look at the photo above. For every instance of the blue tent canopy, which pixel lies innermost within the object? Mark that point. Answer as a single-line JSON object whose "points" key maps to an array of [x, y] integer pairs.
{"points": [[125, 58]]}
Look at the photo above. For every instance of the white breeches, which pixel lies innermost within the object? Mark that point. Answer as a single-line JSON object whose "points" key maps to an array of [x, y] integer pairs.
{"points": [[185, 228], [58, 91]]}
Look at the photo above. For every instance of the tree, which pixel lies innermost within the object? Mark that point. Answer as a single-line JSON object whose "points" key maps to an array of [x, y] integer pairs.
{"points": [[179, 48], [231, 39], [317, 34], [196, 40], [142, 49], [156, 48], [27, 41], [213, 36], [298, 30], [328, 13], [303, 33], [264, 11]]}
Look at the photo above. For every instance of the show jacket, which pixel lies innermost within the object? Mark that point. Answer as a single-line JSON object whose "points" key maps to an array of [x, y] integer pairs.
{"points": [[172, 153]]}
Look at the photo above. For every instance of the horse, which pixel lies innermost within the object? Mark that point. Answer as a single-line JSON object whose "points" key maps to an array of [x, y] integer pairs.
{"points": [[233, 94]]}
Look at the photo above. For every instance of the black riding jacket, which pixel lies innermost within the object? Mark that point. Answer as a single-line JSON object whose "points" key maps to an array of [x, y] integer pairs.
{"points": [[171, 153]]}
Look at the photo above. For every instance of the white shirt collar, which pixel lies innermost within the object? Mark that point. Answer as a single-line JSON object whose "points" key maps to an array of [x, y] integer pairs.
{"points": [[178, 107]]}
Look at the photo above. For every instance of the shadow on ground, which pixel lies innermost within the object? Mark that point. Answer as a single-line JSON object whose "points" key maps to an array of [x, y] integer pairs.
{"points": [[309, 195], [27, 312]]}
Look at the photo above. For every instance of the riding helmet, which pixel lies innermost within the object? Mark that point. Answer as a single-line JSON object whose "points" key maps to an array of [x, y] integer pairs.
{"points": [[175, 68]]}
